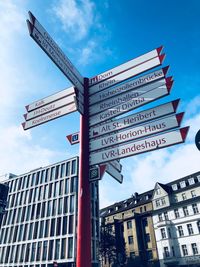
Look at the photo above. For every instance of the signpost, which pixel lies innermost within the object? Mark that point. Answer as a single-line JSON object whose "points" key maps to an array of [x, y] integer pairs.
{"points": [[140, 131], [104, 138], [138, 147], [131, 104]]}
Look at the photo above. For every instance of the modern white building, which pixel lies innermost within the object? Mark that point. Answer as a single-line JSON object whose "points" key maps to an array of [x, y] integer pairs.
{"points": [[176, 219], [39, 228]]}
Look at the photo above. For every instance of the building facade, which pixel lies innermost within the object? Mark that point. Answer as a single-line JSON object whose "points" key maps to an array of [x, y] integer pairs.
{"points": [[39, 227], [176, 219], [131, 222], [160, 227], [3, 200]]}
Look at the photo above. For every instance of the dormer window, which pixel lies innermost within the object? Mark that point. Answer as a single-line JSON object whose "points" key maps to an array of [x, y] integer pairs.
{"points": [[174, 187], [191, 181], [198, 177], [182, 184], [157, 191]]}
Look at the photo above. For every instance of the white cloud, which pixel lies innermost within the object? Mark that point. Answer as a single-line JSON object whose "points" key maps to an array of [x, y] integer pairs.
{"points": [[76, 18]]}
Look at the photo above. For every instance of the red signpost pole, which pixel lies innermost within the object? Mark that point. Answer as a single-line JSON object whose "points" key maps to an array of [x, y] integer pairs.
{"points": [[83, 258]]}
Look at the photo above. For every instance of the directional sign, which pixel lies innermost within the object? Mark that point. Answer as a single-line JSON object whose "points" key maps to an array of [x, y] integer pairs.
{"points": [[114, 173], [49, 116], [113, 91], [97, 172], [116, 164], [130, 105], [133, 148], [125, 66], [50, 107], [52, 52], [197, 140], [126, 96], [47, 100], [154, 62], [161, 125], [73, 138], [79, 105], [134, 119]]}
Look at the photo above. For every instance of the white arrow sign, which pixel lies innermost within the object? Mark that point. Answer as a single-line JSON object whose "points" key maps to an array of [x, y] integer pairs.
{"points": [[161, 125], [130, 105], [50, 107], [49, 99], [56, 48], [49, 116], [52, 53], [114, 172], [157, 61], [138, 147], [113, 91], [126, 96], [134, 119], [125, 66]]}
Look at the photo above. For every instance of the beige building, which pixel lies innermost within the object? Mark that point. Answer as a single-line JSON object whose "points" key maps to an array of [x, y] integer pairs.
{"points": [[131, 222]]}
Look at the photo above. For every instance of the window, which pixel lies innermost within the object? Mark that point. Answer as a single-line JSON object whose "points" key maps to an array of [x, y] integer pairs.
{"points": [[184, 250], [63, 249], [38, 251], [198, 226], [191, 181], [70, 247], [184, 196], [176, 213], [185, 211], [149, 255], [180, 230], [130, 239], [190, 229], [157, 202], [182, 184], [195, 208], [163, 201], [169, 232], [50, 254], [71, 224], [132, 255], [44, 255], [198, 177], [160, 218], [157, 191], [57, 249], [163, 233], [147, 237], [166, 252], [166, 215], [129, 224], [194, 248], [193, 193], [173, 252]]}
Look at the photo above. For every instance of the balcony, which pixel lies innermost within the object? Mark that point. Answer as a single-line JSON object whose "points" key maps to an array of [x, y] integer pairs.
{"points": [[163, 223], [171, 261]]}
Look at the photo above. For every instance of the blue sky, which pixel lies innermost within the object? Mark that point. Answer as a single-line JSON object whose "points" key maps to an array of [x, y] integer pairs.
{"points": [[96, 36]]}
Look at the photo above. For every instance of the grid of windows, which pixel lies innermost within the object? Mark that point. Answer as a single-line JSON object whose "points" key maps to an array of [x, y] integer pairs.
{"points": [[40, 221]]}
